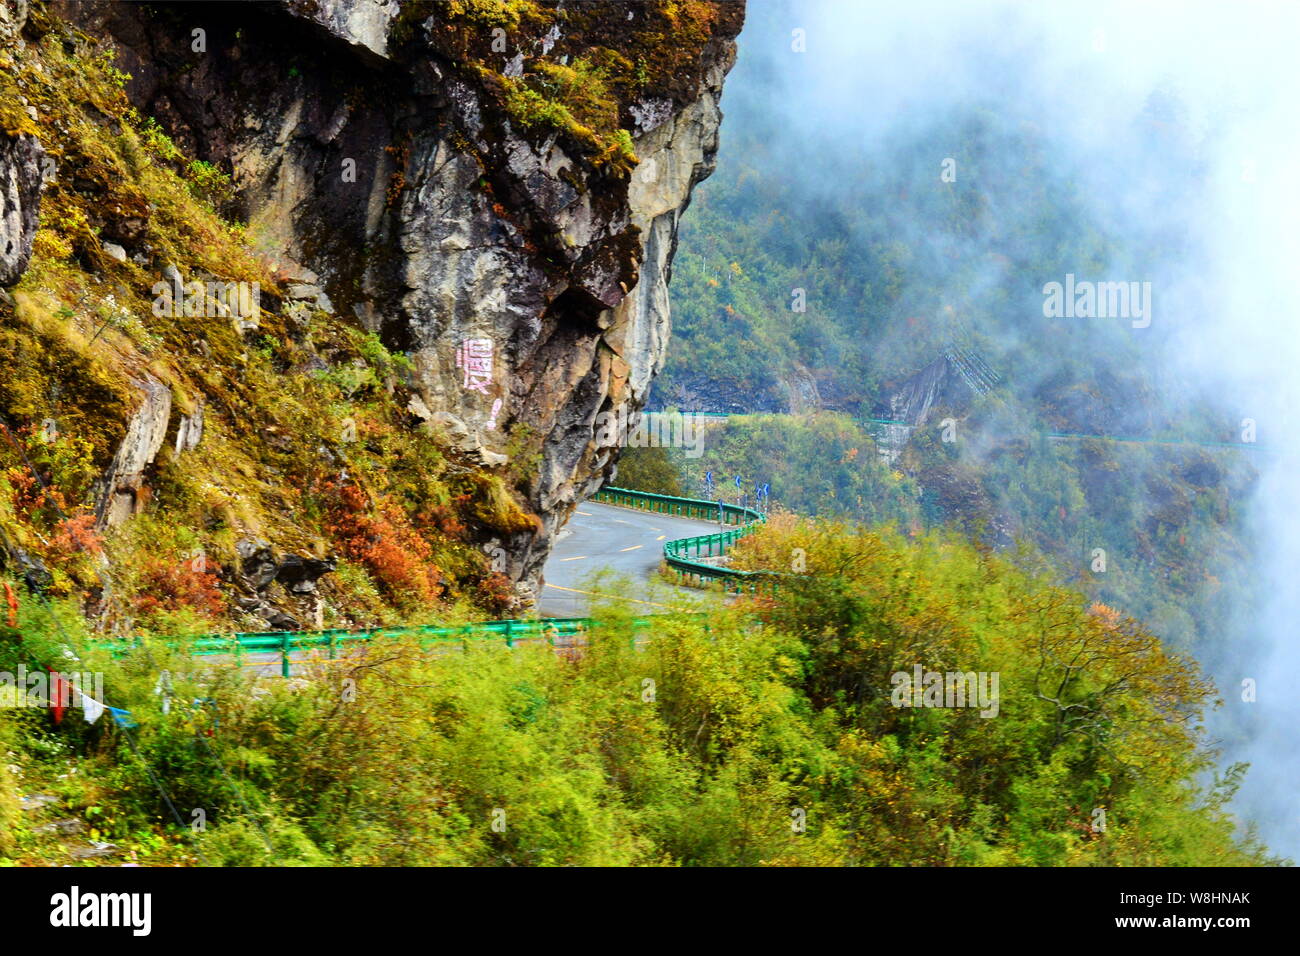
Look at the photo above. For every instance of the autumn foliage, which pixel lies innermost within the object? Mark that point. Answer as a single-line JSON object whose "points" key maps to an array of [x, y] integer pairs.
{"points": [[77, 534], [382, 539], [170, 584]]}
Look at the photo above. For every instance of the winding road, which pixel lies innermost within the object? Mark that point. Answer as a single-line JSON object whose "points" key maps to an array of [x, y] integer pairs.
{"points": [[629, 543], [623, 541]]}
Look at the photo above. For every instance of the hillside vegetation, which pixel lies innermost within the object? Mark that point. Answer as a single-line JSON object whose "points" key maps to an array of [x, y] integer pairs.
{"points": [[818, 281], [762, 735], [305, 437], [766, 732]]}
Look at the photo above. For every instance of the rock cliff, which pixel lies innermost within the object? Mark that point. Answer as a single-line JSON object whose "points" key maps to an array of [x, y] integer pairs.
{"points": [[20, 187], [493, 189]]}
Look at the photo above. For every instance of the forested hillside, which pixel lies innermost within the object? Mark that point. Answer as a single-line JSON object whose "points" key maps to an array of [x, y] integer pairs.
{"points": [[767, 734], [851, 267], [832, 285]]}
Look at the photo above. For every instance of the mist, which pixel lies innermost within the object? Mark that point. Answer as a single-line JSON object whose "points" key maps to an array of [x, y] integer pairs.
{"points": [[1172, 127]]}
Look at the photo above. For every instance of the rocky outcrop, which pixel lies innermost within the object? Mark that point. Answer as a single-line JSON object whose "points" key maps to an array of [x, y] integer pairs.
{"points": [[800, 387], [260, 571], [22, 159], [259, 567], [938, 385], [363, 23], [675, 155], [522, 264], [189, 432], [121, 496], [949, 383], [20, 201]]}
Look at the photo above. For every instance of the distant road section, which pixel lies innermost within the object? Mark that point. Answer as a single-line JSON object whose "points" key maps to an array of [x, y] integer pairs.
{"points": [[623, 540]]}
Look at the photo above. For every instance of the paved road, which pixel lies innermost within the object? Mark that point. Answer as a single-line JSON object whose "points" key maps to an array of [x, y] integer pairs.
{"points": [[626, 541]]}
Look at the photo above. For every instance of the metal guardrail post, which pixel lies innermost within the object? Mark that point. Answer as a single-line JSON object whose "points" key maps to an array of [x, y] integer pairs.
{"points": [[284, 655]]}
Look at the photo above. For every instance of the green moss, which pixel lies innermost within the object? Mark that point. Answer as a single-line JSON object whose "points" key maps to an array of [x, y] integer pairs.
{"points": [[208, 183], [659, 54], [495, 508], [14, 119], [586, 83], [54, 373], [574, 100], [491, 13]]}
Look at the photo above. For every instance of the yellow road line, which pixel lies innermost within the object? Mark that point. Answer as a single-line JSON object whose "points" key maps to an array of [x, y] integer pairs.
{"points": [[661, 537], [587, 513], [605, 595], [581, 557], [633, 548]]}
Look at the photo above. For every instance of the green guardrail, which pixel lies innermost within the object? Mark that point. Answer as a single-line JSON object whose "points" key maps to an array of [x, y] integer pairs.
{"points": [[682, 554], [284, 643]]}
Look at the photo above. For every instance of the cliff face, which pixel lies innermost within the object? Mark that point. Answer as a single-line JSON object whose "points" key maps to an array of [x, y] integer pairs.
{"points": [[951, 382], [20, 186], [491, 188]]}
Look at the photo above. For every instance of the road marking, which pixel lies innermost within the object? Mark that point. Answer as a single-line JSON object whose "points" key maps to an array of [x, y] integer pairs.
{"points": [[620, 520], [633, 548], [661, 537], [587, 513], [581, 557], [607, 595]]}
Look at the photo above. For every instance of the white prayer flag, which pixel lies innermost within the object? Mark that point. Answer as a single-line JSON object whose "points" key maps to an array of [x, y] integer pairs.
{"points": [[92, 708]]}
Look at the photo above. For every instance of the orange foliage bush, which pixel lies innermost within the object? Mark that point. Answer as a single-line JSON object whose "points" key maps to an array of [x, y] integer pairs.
{"points": [[77, 535], [446, 518], [495, 593], [172, 584], [28, 497], [384, 542]]}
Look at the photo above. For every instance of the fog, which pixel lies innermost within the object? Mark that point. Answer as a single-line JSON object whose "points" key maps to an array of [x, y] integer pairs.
{"points": [[1176, 125]]}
